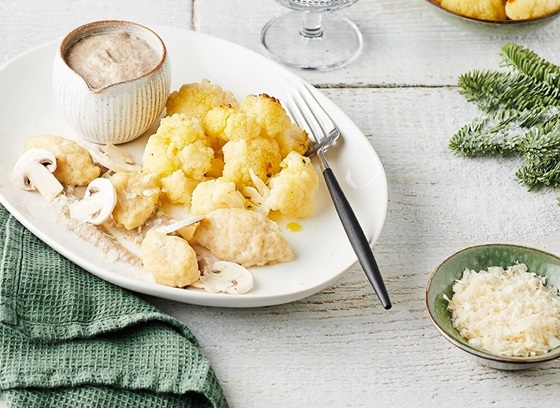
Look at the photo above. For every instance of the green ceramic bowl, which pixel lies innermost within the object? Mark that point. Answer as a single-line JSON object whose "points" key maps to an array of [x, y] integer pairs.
{"points": [[508, 27], [480, 258]]}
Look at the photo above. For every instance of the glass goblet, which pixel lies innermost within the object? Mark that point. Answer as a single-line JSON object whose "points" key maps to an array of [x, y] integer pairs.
{"points": [[312, 36]]}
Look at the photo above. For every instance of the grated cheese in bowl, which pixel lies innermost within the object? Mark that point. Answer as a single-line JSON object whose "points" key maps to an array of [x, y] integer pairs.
{"points": [[507, 312]]}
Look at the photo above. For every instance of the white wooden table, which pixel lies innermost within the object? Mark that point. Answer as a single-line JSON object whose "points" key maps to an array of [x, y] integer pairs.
{"points": [[339, 348]]}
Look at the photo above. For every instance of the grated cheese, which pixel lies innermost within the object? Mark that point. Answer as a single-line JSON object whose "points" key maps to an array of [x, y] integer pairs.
{"points": [[506, 312]]}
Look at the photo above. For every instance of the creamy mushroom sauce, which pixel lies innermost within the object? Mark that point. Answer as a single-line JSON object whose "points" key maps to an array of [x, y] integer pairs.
{"points": [[94, 235], [110, 58], [116, 242]]}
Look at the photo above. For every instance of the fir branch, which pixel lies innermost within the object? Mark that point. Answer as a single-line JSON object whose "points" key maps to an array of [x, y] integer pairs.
{"points": [[541, 173], [542, 143], [528, 62], [522, 115], [501, 132], [492, 90]]}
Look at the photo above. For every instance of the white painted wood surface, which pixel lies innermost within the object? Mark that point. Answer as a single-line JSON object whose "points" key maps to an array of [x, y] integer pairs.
{"points": [[339, 348]]}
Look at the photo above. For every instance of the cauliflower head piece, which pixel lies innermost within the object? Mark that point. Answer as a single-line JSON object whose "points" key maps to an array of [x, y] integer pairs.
{"points": [[269, 113], [228, 123], [214, 194], [196, 99], [177, 187], [481, 9], [170, 259], [262, 155], [179, 155], [524, 9], [179, 143], [293, 191], [74, 165]]}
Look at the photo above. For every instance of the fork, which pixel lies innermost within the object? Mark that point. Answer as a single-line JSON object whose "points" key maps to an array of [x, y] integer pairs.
{"points": [[308, 114]]}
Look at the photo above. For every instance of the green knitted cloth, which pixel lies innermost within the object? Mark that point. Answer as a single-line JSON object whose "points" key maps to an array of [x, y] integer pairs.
{"points": [[70, 339]]}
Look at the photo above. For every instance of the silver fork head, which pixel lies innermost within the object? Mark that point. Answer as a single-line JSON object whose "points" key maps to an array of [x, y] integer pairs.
{"points": [[309, 115]]}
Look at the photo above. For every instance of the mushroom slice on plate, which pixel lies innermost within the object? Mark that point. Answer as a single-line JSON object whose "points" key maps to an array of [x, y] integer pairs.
{"points": [[98, 203], [33, 171], [112, 157], [222, 276]]}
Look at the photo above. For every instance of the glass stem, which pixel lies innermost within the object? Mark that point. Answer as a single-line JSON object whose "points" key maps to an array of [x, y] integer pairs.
{"points": [[311, 25]]}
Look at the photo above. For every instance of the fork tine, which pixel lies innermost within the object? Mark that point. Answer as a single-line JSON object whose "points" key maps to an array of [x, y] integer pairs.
{"points": [[320, 115], [310, 115], [301, 115]]}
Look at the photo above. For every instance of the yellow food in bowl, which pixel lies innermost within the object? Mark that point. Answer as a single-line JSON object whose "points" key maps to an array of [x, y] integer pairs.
{"points": [[525, 9], [501, 10]]}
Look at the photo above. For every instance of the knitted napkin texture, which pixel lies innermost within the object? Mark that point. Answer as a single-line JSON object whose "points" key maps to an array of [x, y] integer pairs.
{"points": [[70, 339]]}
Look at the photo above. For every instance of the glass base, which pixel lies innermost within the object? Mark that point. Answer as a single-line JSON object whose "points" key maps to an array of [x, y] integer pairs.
{"points": [[340, 43]]}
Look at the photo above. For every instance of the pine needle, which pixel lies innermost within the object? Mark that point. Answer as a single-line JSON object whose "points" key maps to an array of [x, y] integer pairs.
{"points": [[536, 175], [488, 136], [542, 143], [504, 132], [528, 62], [491, 90]]}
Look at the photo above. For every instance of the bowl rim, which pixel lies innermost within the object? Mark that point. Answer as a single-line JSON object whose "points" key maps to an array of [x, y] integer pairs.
{"points": [[495, 23], [101, 26], [470, 349]]}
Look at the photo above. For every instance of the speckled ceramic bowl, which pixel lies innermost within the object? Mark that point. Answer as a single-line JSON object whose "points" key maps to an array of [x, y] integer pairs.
{"points": [[119, 112], [507, 27], [480, 258]]}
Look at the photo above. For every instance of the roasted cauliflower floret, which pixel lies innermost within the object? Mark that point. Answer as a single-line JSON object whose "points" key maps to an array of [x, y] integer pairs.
{"points": [[293, 191], [524, 9], [179, 143], [170, 259], [481, 9], [214, 194], [137, 198], [196, 160], [221, 148], [228, 123], [74, 165], [195, 99], [261, 155], [177, 187], [275, 122], [245, 237]]}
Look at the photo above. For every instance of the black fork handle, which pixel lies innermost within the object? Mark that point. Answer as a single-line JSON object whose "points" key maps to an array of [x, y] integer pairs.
{"points": [[357, 237]]}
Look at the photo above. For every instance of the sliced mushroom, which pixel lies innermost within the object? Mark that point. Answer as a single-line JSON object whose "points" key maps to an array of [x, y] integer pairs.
{"points": [[221, 276], [98, 203], [112, 157], [33, 171], [205, 259]]}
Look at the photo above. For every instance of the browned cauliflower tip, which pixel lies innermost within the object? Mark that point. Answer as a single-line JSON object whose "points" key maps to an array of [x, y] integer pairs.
{"points": [[269, 113], [196, 99]]}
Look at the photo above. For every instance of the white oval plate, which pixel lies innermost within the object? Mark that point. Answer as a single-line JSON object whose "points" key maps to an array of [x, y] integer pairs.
{"points": [[322, 250]]}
